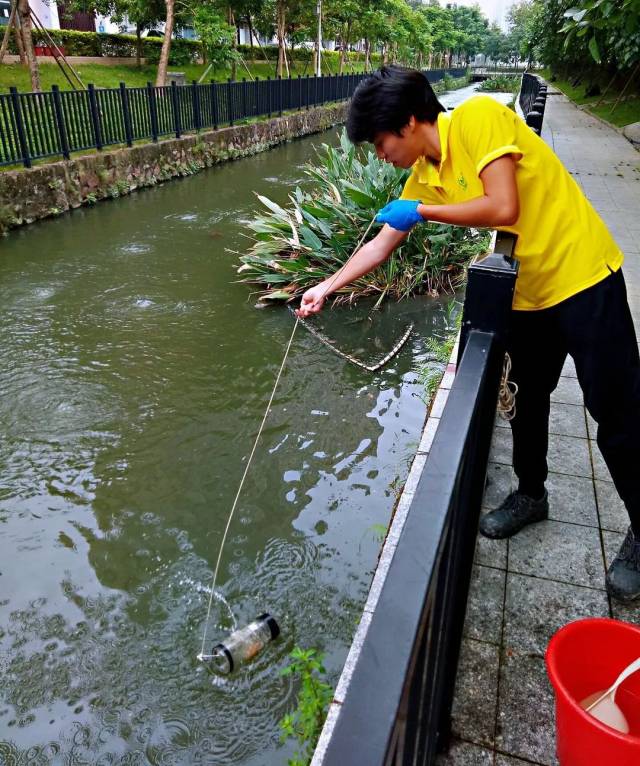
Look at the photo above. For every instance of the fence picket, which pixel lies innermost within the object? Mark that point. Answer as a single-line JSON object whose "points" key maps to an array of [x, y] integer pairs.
{"points": [[57, 122]]}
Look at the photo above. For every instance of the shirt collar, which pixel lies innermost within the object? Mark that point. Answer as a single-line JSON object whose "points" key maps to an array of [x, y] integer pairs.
{"points": [[427, 171]]}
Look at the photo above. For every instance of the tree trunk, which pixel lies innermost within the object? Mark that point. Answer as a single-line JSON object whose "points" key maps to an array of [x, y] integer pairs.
{"points": [[5, 38], [624, 90], [24, 11], [138, 44], [281, 22], [367, 54], [250, 25], [161, 78], [231, 21]]}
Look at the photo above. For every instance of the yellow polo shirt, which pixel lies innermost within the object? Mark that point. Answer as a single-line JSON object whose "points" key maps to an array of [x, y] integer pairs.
{"points": [[563, 245]]}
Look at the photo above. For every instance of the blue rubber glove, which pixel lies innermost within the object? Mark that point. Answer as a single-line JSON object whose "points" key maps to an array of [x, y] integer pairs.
{"points": [[401, 214]]}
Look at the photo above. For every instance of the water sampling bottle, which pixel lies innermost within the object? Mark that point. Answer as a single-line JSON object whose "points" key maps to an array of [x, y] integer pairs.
{"points": [[244, 644]]}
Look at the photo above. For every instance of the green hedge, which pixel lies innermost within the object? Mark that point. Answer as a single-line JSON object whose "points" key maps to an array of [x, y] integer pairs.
{"points": [[101, 44], [299, 54], [182, 51]]}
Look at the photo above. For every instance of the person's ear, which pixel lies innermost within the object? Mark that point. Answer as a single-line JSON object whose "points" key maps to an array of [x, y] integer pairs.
{"points": [[410, 127]]}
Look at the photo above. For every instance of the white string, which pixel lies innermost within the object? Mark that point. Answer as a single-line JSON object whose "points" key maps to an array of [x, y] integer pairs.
{"points": [[202, 655], [244, 476]]}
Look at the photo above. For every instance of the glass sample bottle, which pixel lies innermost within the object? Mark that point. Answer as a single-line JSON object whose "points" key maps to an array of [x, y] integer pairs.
{"points": [[244, 644]]}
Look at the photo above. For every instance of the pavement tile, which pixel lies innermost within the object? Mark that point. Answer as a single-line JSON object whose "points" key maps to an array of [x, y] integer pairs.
{"points": [[465, 754], [500, 481], [491, 553], [626, 612], [535, 609], [567, 420], [571, 498], [507, 760], [569, 455], [567, 391], [501, 446], [611, 543], [526, 725], [613, 514], [565, 552], [474, 706], [569, 369], [485, 604], [592, 426], [600, 470]]}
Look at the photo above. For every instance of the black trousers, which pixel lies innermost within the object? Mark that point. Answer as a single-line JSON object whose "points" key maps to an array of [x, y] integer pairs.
{"points": [[595, 328]]}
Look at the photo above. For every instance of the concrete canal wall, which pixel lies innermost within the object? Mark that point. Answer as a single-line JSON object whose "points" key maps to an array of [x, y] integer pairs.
{"points": [[54, 188]]}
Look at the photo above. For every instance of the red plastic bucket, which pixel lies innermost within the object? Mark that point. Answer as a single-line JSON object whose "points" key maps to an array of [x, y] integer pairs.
{"points": [[585, 657]]}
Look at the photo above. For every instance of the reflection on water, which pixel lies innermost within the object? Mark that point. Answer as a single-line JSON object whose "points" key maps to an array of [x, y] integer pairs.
{"points": [[134, 373]]}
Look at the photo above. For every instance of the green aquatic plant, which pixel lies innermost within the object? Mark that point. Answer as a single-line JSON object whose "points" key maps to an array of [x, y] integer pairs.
{"points": [[305, 723], [503, 83], [295, 247], [440, 350]]}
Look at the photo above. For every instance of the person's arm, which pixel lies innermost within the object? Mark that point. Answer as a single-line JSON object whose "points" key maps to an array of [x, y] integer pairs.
{"points": [[499, 206], [368, 258]]}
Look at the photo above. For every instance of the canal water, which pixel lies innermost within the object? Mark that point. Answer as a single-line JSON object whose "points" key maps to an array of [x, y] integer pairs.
{"points": [[134, 372]]}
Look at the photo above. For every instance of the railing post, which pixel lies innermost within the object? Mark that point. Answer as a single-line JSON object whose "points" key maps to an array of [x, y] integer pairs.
{"points": [[62, 128], [534, 121], [245, 113], [230, 101], [126, 114], [195, 95], [268, 96], [214, 103], [20, 127], [176, 108], [299, 92], [95, 116], [489, 295], [153, 111], [279, 95]]}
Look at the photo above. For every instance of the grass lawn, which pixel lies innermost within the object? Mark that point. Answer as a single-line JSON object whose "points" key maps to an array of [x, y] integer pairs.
{"points": [[626, 112], [105, 76]]}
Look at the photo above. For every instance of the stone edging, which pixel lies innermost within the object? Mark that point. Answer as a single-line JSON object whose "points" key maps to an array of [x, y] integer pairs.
{"points": [[388, 550], [54, 188]]}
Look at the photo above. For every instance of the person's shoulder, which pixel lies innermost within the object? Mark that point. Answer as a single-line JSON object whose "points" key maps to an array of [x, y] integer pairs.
{"points": [[477, 106]]}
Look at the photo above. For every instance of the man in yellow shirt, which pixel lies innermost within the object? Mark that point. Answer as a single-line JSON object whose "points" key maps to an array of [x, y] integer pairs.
{"points": [[483, 166]]}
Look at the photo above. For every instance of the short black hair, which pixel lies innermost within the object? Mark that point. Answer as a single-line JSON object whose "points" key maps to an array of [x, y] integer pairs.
{"points": [[384, 102]]}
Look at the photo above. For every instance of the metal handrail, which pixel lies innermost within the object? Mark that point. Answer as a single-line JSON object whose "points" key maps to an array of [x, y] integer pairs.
{"points": [[397, 707]]}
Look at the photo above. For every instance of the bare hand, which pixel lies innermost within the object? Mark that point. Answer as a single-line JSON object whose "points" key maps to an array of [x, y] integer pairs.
{"points": [[312, 301]]}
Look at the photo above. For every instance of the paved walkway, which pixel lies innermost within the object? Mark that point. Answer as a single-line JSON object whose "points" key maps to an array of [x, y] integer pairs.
{"points": [[524, 589]]}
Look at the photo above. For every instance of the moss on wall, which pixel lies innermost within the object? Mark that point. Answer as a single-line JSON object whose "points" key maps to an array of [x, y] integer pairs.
{"points": [[46, 190]]}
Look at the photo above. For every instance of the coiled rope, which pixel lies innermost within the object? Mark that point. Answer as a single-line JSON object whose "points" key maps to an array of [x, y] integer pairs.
{"points": [[507, 392]]}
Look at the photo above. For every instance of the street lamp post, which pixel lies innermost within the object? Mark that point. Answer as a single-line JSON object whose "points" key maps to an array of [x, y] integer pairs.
{"points": [[319, 41]]}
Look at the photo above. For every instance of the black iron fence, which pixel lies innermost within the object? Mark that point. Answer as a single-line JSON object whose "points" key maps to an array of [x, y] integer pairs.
{"points": [[533, 98], [397, 708], [56, 123]]}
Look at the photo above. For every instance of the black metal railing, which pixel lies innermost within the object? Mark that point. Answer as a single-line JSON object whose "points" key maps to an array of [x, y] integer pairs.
{"points": [[56, 123], [533, 98], [397, 708]]}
